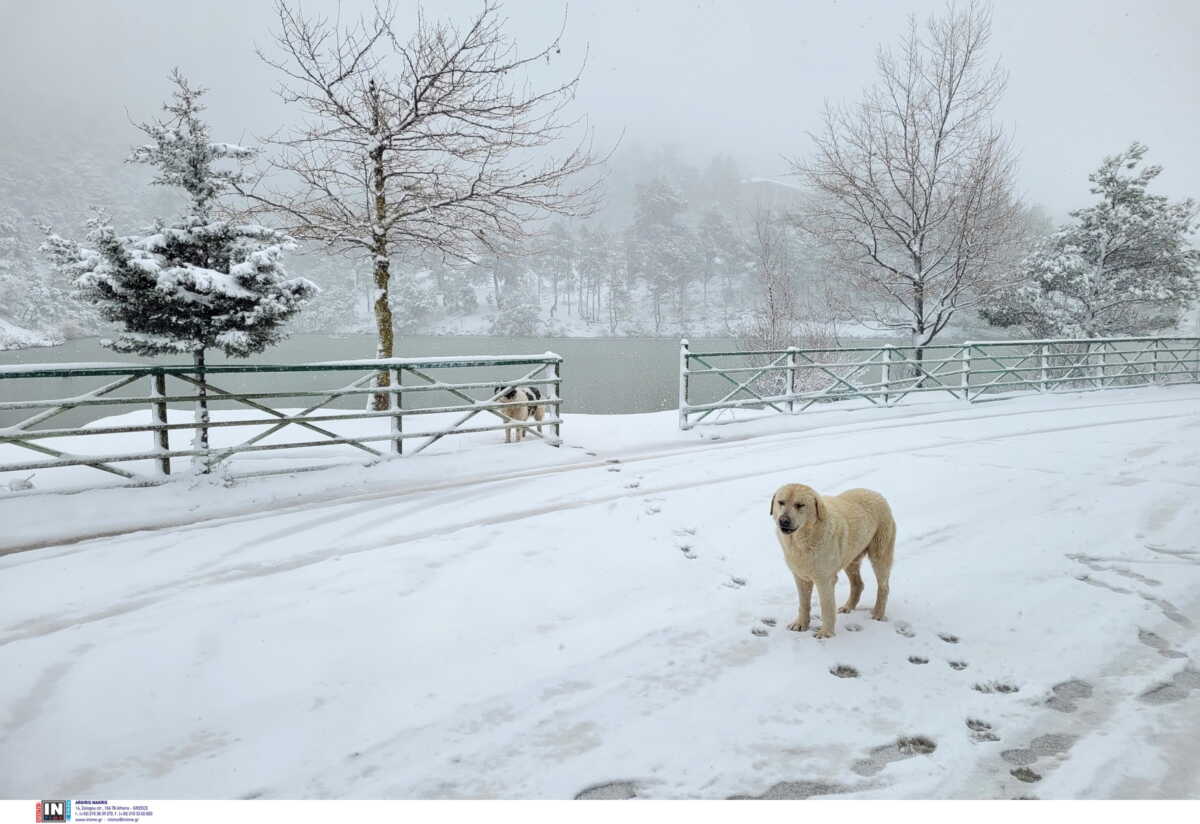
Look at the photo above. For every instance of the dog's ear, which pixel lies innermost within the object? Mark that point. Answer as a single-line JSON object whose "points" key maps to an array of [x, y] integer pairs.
{"points": [[771, 505], [819, 505]]}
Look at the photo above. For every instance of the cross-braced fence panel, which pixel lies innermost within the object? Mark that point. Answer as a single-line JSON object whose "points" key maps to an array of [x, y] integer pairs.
{"points": [[134, 421], [792, 380]]}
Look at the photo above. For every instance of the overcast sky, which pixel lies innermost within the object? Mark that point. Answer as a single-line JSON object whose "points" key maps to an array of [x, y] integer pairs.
{"points": [[1086, 77]]}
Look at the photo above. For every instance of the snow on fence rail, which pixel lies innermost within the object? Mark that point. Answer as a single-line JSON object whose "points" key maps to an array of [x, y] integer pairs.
{"points": [[190, 387], [793, 379]]}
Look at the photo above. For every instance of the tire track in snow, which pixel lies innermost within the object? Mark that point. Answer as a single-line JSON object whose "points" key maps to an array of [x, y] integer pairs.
{"points": [[39, 626], [320, 500]]}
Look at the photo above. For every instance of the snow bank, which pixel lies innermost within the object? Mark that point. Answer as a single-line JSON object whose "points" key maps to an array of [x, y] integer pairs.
{"points": [[16, 337]]}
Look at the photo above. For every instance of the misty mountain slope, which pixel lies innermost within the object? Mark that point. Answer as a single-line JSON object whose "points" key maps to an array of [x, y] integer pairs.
{"points": [[570, 623]]}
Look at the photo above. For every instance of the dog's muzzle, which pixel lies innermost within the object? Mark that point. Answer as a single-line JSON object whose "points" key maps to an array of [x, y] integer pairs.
{"points": [[787, 527]]}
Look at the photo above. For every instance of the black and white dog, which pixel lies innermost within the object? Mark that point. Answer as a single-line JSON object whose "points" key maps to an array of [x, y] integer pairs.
{"points": [[535, 410]]}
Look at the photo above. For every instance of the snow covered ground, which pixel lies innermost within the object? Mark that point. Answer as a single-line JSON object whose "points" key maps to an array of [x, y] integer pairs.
{"points": [[517, 621], [17, 337]]}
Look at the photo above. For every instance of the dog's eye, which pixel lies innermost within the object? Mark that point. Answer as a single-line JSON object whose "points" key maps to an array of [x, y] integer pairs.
{"points": [[799, 506]]}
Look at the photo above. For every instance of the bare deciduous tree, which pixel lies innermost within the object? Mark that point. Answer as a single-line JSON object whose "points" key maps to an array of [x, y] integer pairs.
{"points": [[435, 142], [787, 311], [912, 188]]}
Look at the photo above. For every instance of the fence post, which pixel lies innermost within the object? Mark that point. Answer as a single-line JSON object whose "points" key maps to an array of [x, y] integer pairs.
{"points": [[885, 373], [201, 463], [683, 384], [159, 410], [556, 368], [1155, 347], [1044, 363], [965, 371], [791, 379], [397, 405]]}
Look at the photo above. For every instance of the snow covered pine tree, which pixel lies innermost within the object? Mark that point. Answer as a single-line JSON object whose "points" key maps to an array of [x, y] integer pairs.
{"points": [[200, 282], [1122, 267]]}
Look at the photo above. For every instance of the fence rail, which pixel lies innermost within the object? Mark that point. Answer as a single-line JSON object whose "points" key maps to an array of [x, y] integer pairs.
{"points": [[408, 377], [792, 380]]}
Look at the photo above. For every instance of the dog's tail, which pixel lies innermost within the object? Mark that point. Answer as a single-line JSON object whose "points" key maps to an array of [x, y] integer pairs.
{"points": [[883, 545]]}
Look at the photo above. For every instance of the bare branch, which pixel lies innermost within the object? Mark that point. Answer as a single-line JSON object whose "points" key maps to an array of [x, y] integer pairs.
{"points": [[912, 189]]}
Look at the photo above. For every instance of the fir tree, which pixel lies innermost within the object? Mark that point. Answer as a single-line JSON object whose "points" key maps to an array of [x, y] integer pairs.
{"points": [[556, 261], [14, 268], [661, 249], [1122, 267], [722, 253], [198, 282]]}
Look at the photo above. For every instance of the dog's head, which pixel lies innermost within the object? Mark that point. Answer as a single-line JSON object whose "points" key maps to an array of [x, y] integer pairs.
{"points": [[795, 506], [509, 395]]}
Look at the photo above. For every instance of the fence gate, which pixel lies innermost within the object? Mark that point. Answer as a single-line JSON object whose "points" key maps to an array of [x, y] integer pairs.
{"points": [[413, 394]]}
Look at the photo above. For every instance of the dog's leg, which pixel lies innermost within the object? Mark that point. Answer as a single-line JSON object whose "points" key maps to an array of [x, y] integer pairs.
{"points": [[539, 413], [825, 588], [880, 553], [804, 588], [856, 585]]}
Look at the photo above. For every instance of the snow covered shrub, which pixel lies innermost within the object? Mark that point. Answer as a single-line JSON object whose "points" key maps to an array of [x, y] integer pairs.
{"points": [[787, 310], [31, 296], [453, 284], [194, 283], [413, 303], [519, 317], [462, 300], [759, 334]]}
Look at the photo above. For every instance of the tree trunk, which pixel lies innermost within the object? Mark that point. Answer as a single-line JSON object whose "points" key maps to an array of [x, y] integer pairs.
{"points": [[919, 339], [383, 326], [383, 310], [726, 298], [496, 289], [200, 441]]}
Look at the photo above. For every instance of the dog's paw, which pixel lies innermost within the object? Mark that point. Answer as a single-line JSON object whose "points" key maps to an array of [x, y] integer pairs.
{"points": [[798, 626], [823, 633], [844, 610]]}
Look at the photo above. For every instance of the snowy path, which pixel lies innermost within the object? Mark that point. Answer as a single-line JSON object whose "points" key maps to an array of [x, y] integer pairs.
{"points": [[562, 621]]}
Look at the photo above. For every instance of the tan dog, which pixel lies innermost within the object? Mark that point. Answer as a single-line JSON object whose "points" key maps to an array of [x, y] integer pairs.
{"points": [[510, 394], [821, 536]]}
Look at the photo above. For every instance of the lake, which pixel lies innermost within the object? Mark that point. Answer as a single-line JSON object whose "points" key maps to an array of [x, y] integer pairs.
{"points": [[600, 375]]}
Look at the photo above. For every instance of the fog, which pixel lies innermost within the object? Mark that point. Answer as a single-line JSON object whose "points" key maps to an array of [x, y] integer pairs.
{"points": [[1086, 78]]}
